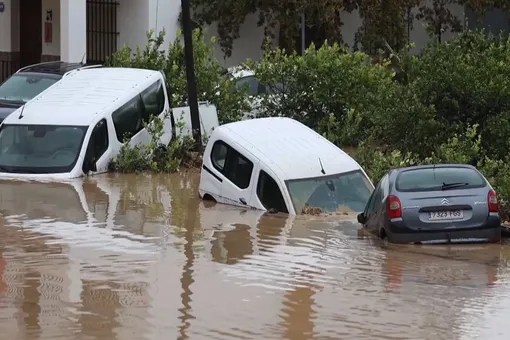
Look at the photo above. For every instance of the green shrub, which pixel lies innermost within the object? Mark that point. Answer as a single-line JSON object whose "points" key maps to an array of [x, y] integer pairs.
{"points": [[213, 84], [155, 156], [466, 82], [329, 89]]}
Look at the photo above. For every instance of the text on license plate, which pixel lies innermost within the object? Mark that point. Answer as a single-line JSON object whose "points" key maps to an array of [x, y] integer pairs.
{"points": [[446, 215]]}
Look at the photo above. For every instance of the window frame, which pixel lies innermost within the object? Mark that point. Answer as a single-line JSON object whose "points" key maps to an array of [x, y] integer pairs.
{"points": [[147, 116], [90, 147], [326, 177], [137, 98], [248, 81], [372, 200], [213, 161], [258, 193], [53, 169], [399, 189], [143, 116], [226, 167]]}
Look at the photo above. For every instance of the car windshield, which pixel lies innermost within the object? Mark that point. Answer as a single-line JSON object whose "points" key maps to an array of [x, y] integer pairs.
{"points": [[22, 87], [439, 178], [346, 192], [255, 88], [40, 148]]}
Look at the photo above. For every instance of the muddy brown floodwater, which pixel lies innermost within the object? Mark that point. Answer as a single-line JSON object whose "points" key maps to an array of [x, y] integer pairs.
{"points": [[140, 257]]}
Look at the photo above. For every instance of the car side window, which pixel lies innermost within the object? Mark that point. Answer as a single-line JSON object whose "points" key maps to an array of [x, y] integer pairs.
{"points": [[385, 187], [233, 165], [369, 203], [98, 143], [378, 198], [374, 198], [269, 193], [153, 100], [101, 141], [219, 155], [251, 82], [238, 169], [128, 119]]}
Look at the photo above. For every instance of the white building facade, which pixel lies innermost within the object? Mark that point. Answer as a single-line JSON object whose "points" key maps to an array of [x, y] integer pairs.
{"points": [[32, 31]]}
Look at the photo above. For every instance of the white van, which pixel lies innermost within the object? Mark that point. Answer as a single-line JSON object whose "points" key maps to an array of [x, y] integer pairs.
{"points": [[281, 165], [77, 126]]}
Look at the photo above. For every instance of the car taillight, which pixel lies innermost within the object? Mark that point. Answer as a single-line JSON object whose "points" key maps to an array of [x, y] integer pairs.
{"points": [[394, 207], [492, 201]]}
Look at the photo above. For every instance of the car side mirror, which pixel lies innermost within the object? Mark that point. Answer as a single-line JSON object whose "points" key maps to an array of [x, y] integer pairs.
{"points": [[362, 218]]}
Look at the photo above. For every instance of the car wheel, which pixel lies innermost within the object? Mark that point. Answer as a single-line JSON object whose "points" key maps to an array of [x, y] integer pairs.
{"points": [[382, 234]]}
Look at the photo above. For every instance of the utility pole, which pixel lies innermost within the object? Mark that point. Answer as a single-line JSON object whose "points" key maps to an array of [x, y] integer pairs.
{"points": [[190, 74]]}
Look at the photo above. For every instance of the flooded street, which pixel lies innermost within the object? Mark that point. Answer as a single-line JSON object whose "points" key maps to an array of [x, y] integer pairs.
{"points": [[140, 257]]}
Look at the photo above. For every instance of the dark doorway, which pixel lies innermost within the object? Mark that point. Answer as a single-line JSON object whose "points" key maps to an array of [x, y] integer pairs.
{"points": [[30, 32]]}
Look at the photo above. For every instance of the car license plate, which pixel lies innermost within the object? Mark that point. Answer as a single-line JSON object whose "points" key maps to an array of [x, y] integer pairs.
{"points": [[446, 215]]}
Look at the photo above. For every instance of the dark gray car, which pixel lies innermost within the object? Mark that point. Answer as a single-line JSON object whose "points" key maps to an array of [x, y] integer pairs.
{"points": [[443, 203]]}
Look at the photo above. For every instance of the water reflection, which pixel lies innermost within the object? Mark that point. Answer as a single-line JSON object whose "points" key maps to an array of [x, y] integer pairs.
{"points": [[188, 209], [298, 313], [140, 257], [448, 266]]}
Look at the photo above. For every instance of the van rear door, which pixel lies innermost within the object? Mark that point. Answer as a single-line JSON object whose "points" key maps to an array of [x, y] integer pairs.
{"points": [[208, 120]]}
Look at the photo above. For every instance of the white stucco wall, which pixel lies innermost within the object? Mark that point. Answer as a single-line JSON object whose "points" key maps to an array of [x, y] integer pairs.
{"points": [[136, 17], [5, 28], [164, 14], [248, 46], [52, 48], [419, 35], [73, 26], [132, 22]]}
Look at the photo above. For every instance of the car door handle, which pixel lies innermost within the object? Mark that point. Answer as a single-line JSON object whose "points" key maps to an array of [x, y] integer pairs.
{"points": [[243, 201]]}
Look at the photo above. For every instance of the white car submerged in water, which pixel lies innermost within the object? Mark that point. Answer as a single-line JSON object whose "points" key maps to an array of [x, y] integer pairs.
{"points": [[279, 164]]}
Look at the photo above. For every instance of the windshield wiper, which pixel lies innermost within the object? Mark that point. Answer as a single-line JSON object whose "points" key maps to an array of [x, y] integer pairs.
{"points": [[454, 185], [11, 102], [16, 171]]}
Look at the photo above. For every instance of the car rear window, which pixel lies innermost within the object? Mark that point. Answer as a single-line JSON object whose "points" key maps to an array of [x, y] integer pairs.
{"points": [[439, 178]]}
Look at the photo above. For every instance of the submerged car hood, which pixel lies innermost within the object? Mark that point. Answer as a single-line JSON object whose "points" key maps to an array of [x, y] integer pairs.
{"points": [[6, 110]]}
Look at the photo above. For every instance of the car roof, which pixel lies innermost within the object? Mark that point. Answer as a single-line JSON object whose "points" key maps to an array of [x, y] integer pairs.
{"points": [[54, 67], [291, 149], [78, 98]]}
